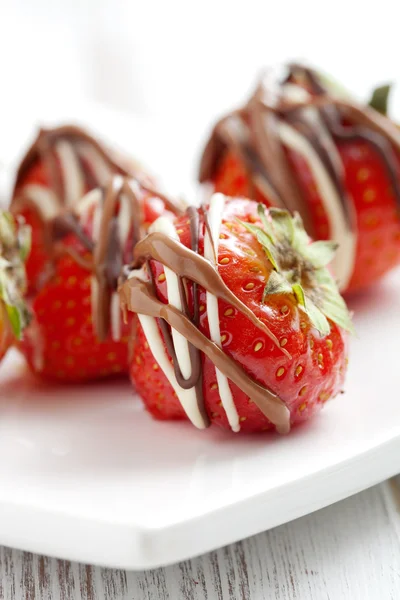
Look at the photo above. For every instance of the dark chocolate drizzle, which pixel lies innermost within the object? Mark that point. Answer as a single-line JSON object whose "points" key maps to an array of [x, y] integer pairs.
{"points": [[65, 224]]}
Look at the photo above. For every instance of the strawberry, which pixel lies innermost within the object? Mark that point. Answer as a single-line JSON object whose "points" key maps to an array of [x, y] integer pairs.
{"points": [[58, 169], [334, 161], [253, 331], [14, 248], [76, 333]]}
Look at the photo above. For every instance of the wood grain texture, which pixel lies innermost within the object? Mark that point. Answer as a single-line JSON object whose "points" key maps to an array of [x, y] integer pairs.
{"points": [[350, 550]]}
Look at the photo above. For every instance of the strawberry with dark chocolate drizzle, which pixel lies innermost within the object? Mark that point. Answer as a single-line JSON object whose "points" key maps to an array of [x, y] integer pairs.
{"points": [[300, 143], [77, 333], [240, 323], [60, 167]]}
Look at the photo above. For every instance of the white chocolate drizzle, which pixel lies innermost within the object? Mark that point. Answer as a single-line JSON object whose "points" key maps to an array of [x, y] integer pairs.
{"points": [[345, 257], [211, 245], [43, 199], [188, 398], [72, 174], [98, 164]]}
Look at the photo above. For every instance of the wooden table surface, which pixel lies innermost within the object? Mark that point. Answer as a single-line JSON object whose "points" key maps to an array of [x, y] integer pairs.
{"points": [[348, 551]]}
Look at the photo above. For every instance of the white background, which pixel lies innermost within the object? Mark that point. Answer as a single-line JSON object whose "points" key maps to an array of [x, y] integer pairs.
{"points": [[183, 59], [180, 63]]}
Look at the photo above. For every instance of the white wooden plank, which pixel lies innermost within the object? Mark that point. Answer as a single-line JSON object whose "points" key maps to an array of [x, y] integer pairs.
{"points": [[350, 550]]}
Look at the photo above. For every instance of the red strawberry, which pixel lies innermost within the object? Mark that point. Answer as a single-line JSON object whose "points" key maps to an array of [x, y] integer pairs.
{"points": [[335, 162], [61, 342], [76, 333], [14, 247], [58, 169], [280, 322], [378, 222]]}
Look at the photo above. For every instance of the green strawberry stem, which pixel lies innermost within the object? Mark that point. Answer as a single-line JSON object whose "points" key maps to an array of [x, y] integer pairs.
{"points": [[14, 248], [299, 267]]}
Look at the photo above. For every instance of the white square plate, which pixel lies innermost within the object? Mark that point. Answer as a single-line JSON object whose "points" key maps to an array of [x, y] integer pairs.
{"points": [[86, 474]]}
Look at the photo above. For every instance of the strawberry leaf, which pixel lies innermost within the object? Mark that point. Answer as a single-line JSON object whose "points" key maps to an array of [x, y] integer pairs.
{"points": [[276, 284], [300, 237], [380, 99], [299, 293], [268, 228], [14, 248], [265, 241], [334, 307], [4, 282], [15, 318], [321, 253], [24, 242], [283, 225], [317, 318], [332, 304], [300, 268], [268, 248]]}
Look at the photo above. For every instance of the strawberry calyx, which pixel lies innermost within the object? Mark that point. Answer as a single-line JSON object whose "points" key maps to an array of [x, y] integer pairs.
{"points": [[299, 267], [15, 240]]}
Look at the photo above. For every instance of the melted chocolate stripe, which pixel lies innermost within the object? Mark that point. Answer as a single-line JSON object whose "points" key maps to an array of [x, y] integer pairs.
{"points": [[185, 384], [137, 211], [236, 137], [264, 125], [380, 144], [331, 118], [66, 224], [138, 297], [215, 148], [195, 267], [368, 125], [195, 358], [113, 260], [47, 155], [103, 260], [61, 250], [311, 134], [166, 333], [311, 77], [43, 147]]}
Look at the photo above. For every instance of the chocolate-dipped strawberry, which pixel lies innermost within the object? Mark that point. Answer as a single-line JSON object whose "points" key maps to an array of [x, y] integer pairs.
{"points": [[300, 143], [239, 321], [60, 167], [14, 248], [76, 332]]}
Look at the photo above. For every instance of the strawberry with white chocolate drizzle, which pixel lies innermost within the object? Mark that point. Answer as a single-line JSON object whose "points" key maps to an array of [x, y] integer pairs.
{"points": [[59, 168], [300, 143], [239, 321]]}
